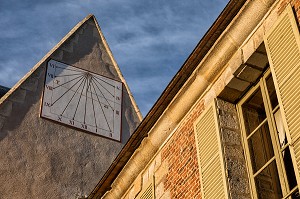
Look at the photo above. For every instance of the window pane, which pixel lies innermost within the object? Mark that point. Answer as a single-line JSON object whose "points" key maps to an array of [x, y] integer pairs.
{"points": [[267, 183], [253, 111], [260, 147], [296, 195], [289, 169], [272, 91], [280, 129]]}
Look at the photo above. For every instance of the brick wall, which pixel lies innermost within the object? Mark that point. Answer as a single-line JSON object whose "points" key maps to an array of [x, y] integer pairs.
{"points": [[175, 166], [296, 7], [182, 179]]}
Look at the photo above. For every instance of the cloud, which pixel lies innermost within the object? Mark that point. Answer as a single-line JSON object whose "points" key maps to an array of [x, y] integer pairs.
{"points": [[149, 39]]}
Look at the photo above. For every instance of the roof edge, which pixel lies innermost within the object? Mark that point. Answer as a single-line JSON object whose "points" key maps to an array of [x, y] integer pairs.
{"points": [[37, 65], [136, 108]]}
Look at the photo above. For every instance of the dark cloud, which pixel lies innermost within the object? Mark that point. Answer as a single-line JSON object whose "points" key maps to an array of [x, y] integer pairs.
{"points": [[149, 39]]}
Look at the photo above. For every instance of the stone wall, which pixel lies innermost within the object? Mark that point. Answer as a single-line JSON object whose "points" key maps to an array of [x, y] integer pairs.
{"points": [[236, 172], [182, 180]]}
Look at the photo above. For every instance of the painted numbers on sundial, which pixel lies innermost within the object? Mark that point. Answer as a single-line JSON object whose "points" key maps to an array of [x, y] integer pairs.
{"points": [[82, 99]]}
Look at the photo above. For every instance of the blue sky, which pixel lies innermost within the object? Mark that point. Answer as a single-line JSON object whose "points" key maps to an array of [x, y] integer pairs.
{"points": [[150, 40]]}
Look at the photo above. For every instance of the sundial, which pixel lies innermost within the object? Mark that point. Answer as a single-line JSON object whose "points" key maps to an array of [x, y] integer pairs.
{"points": [[82, 99]]}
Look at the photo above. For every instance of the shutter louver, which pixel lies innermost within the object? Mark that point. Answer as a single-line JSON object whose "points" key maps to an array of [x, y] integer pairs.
{"points": [[148, 190], [283, 47], [211, 164]]}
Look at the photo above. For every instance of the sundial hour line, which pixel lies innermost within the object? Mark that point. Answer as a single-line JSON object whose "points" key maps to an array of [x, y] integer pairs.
{"points": [[89, 83], [98, 127], [80, 97], [93, 106], [69, 69], [90, 91], [102, 95], [72, 97], [68, 75], [104, 87], [67, 91], [67, 82], [104, 81], [101, 107]]}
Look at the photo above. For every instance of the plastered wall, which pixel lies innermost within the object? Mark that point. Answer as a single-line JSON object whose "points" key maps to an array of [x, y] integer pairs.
{"points": [[40, 158]]}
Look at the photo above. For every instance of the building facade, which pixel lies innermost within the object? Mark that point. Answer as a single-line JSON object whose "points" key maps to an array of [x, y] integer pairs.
{"points": [[227, 125]]}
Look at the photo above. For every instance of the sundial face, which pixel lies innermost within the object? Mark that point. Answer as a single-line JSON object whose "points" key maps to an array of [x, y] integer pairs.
{"points": [[82, 99]]}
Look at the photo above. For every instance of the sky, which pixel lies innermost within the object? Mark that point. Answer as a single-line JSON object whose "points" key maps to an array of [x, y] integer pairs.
{"points": [[150, 39]]}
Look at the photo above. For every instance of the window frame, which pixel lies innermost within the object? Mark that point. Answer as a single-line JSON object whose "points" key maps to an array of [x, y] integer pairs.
{"points": [[262, 85]]}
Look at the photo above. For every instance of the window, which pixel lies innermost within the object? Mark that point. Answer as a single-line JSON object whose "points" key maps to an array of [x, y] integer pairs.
{"points": [[265, 142]]}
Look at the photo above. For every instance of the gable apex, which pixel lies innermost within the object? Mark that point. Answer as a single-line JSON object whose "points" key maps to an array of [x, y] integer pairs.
{"points": [[63, 45]]}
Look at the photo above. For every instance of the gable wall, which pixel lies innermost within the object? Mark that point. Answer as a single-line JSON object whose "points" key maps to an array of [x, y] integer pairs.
{"points": [[43, 159]]}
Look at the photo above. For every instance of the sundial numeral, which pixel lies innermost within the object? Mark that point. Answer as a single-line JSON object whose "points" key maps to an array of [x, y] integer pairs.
{"points": [[49, 87], [118, 87], [71, 122], [52, 65], [51, 75], [57, 81], [105, 106], [117, 112], [84, 126], [110, 134], [118, 98], [47, 104], [59, 118]]}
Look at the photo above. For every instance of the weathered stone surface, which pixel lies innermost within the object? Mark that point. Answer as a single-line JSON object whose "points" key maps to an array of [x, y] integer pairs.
{"points": [[236, 167], [18, 95], [233, 151], [159, 190], [240, 185], [43, 159], [229, 121], [236, 152], [6, 108], [231, 137], [238, 84], [137, 187], [161, 173], [2, 121], [30, 84]]}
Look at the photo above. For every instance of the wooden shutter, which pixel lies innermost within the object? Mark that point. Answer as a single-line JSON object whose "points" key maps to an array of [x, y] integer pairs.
{"points": [[148, 190], [283, 49], [210, 155]]}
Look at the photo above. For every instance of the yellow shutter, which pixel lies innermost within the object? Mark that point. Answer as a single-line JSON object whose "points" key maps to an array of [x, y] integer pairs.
{"points": [[283, 47], [148, 190], [210, 155]]}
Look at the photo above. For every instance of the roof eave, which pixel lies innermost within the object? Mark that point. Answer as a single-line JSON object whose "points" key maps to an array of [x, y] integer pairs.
{"points": [[204, 45]]}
